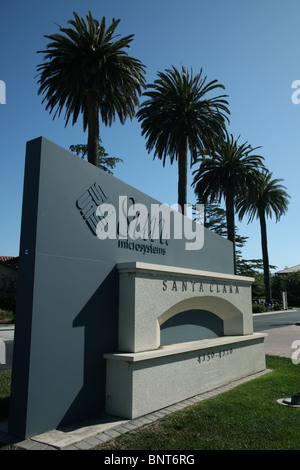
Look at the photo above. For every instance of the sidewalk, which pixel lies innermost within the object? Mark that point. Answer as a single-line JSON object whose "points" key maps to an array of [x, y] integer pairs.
{"points": [[281, 341], [7, 332]]}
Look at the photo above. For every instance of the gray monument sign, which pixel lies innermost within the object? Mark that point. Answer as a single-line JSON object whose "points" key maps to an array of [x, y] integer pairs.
{"points": [[105, 281]]}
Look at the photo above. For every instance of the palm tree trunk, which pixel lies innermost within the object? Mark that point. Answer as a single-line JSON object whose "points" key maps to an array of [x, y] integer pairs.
{"points": [[182, 176], [231, 223], [93, 128], [265, 256]]}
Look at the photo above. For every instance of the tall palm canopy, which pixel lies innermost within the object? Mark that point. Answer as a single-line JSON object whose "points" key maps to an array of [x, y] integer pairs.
{"points": [[87, 70], [268, 198], [179, 116], [228, 174]]}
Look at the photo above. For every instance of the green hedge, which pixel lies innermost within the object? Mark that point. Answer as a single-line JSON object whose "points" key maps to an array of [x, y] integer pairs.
{"points": [[8, 303], [257, 308]]}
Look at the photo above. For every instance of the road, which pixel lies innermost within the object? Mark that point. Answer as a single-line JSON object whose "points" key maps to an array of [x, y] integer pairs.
{"points": [[267, 321]]}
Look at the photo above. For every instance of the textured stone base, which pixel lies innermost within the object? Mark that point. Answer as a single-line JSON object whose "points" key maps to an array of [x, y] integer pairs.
{"points": [[140, 383]]}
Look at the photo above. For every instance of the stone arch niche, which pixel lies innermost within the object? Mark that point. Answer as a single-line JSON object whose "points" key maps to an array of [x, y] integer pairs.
{"points": [[191, 325], [198, 318]]}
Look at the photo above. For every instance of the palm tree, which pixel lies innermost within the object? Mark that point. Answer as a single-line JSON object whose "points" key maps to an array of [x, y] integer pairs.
{"points": [[269, 197], [86, 70], [231, 171], [179, 117]]}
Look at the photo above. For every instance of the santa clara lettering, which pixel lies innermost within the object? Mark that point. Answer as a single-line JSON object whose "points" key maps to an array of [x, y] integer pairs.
{"points": [[198, 286]]}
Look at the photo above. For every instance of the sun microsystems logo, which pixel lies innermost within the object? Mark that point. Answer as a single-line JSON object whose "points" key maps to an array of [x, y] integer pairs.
{"points": [[88, 203], [137, 223]]}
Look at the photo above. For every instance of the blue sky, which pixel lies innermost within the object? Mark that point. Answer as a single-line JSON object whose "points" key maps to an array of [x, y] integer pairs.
{"points": [[251, 47]]}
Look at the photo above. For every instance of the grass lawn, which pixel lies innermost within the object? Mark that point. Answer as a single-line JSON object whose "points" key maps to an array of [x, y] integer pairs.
{"points": [[5, 379], [245, 418]]}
